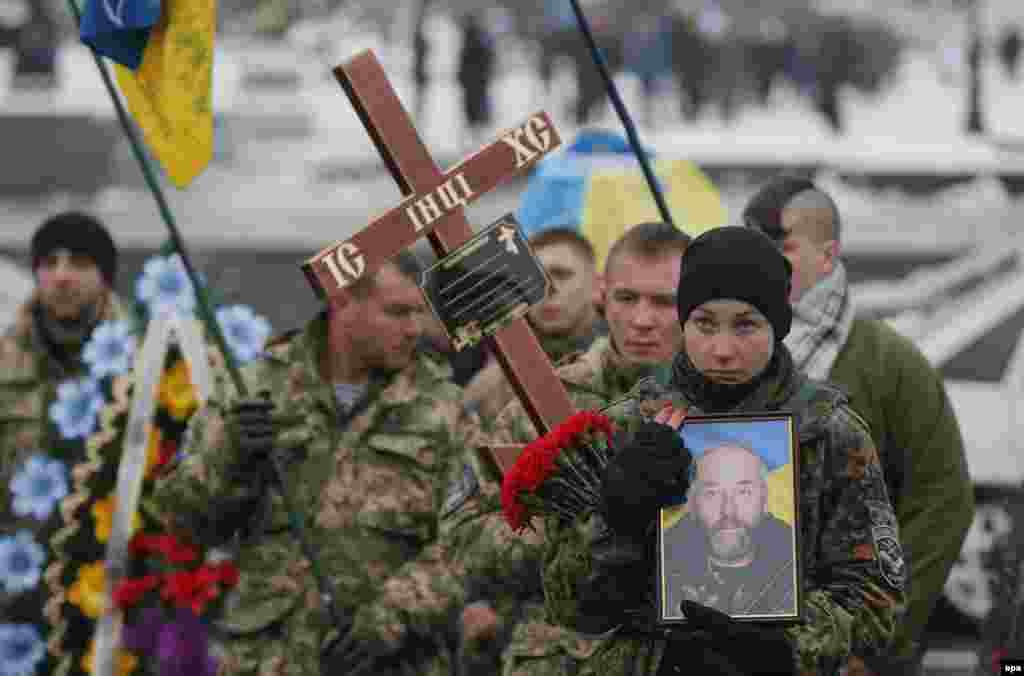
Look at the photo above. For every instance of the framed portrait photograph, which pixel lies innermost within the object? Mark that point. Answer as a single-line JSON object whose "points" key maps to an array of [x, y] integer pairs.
{"points": [[734, 542]]}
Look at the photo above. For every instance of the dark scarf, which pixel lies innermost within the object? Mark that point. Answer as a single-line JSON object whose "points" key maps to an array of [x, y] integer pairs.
{"points": [[63, 340], [773, 386]]}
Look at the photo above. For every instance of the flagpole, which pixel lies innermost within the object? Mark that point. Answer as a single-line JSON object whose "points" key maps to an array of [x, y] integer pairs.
{"points": [[295, 521], [620, 108]]}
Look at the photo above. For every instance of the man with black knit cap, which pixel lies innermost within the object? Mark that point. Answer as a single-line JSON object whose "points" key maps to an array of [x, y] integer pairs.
{"points": [[74, 262], [891, 384]]}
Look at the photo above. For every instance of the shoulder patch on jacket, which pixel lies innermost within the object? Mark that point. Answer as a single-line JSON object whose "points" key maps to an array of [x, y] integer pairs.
{"points": [[888, 551]]}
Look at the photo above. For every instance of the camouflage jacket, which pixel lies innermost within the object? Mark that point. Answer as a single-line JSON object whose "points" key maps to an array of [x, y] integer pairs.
{"points": [[853, 573], [29, 376], [376, 489]]}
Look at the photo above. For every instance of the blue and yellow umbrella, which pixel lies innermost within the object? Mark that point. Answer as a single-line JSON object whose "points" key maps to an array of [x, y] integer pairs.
{"points": [[597, 186]]}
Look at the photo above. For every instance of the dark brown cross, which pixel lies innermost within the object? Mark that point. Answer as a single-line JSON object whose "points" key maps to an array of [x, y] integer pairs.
{"points": [[433, 207]]}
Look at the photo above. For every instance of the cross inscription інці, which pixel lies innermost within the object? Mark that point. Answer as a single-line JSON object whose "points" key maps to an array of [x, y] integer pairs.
{"points": [[433, 207]]}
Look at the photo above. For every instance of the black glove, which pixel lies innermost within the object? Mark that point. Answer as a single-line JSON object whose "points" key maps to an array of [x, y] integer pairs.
{"points": [[650, 472], [255, 431], [755, 649], [348, 657], [617, 592]]}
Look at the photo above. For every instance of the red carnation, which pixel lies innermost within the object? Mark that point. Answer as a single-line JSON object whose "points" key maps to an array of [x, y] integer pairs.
{"points": [[179, 587], [546, 456]]}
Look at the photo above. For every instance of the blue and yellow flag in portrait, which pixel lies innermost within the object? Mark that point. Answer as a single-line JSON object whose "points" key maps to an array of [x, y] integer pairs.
{"points": [[771, 439]]}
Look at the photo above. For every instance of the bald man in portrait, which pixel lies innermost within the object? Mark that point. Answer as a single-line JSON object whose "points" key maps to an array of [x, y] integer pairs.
{"points": [[729, 552]]}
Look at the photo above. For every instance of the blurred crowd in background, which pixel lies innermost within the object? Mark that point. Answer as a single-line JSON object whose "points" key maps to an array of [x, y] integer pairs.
{"points": [[720, 54]]}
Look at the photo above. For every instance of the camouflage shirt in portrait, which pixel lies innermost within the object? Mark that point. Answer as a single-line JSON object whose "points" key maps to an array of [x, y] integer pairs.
{"points": [[376, 488], [853, 574]]}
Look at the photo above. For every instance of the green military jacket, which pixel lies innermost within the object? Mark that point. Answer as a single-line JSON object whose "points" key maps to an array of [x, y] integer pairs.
{"points": [[376, 490], [903, 400], [853, 593]]}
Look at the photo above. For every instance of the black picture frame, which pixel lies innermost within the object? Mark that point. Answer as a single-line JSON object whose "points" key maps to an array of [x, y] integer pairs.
{"points": [[768, 551]]}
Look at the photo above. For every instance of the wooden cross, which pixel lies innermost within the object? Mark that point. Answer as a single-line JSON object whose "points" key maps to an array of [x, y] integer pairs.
{"points": [[433, 207]]}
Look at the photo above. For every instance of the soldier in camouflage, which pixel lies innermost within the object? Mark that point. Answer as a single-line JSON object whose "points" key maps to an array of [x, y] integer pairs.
{"points": [[375, 462], [598, 570], [639, 300], [74, 261]]}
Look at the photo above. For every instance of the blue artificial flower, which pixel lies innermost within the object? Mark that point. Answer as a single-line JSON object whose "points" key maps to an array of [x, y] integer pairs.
{"points": [[245, 331], [77, 406], [21, 649], [39, 486], [21, 562], [110, 349], [165, 287]]}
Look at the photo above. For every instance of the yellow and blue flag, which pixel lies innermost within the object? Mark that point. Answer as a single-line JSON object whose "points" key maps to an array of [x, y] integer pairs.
{"points": [[119, 29], [169, 93], [596, 185]]}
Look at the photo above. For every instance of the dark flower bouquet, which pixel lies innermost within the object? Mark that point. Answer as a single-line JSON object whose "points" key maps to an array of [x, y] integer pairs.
{"points": [[559, 473]]}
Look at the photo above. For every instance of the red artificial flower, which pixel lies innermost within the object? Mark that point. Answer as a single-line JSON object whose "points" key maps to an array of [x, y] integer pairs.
{"points": [[140, 544], [180, 588], [177, 552], [167, 545], [131, 590], [228, 572], [204, 579]]}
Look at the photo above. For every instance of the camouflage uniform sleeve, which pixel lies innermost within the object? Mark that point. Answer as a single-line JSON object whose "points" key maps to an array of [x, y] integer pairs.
{"points": [[512, 425], [855, 583], [203, 483]]}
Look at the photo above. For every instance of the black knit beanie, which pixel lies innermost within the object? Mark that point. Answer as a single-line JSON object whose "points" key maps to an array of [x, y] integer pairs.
{"points": [[78, 233], [741, 264]]}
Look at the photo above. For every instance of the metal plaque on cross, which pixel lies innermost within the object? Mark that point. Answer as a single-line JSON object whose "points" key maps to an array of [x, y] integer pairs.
{"points": [[433, 207], [485, 283]]}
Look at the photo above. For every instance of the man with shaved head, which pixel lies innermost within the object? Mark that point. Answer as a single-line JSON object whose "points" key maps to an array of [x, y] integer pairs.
{"points": [[729, 552], [894, 388]]}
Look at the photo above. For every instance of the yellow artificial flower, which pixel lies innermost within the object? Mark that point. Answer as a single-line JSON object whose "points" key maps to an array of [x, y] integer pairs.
{"points": [[103, 514], [176, 392], [126, 661], [87, 591]]}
